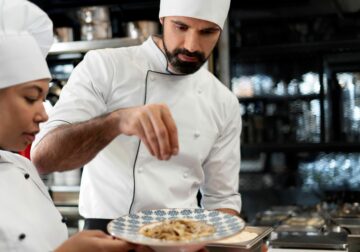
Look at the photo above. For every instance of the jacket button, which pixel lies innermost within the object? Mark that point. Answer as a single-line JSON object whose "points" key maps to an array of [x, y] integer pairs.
{"points": [[186, 175], [140, 170], [26, 175], [22, 236], [197, 134]]}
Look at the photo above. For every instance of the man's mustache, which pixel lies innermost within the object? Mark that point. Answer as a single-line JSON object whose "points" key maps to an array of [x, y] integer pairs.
{"points": [[200, 56]]}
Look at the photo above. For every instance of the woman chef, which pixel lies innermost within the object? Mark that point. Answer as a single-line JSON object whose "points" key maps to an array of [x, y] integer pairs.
{"points": [[29, 220]]}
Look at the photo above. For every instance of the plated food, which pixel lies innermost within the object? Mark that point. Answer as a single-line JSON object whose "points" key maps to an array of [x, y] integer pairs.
{"points": [[176, 229]]}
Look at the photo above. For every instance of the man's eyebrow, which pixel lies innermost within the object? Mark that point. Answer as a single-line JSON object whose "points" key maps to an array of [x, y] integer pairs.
{"points": [[178, 22], [213, 28]]}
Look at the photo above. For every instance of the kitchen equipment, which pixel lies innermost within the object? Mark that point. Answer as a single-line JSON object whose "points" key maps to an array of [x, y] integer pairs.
{"points": [[95, 23], [321, 241], [349, 210], [64, 34], [65, 195], [301, 224], [253, 245], [353, 243], [55, 87], [66, 199], [352, 225], [275, 216], [141, 29]]}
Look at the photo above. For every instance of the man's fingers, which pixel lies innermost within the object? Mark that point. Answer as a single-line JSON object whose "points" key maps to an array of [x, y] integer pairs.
{"points": [[172, 131], [144, 140], [150, 135], [161, 134]]}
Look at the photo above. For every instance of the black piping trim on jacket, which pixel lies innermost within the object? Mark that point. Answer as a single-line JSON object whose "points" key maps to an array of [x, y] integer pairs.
{"points": [[138, 148], [137, 151]]}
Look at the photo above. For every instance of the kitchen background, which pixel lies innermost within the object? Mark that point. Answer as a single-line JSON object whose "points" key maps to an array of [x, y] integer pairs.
{"points": [[294, 66]]}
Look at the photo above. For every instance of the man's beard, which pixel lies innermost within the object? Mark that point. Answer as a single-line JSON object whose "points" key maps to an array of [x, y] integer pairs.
{"points": [[184, 67]]}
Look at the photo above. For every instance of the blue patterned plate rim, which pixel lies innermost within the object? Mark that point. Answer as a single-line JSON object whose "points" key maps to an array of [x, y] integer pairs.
{"points": [[127, 227]]}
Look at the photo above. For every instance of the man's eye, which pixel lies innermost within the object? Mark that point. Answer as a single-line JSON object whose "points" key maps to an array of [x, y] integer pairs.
{"points": [[181, 27], [208, 32]]}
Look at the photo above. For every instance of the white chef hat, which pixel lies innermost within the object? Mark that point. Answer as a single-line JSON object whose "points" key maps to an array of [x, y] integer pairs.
{"points": [[210, 10], [25, 38]]}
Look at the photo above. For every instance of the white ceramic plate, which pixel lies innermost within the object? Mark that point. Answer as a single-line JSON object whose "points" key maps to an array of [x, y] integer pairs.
{"points": [[127, 227]]}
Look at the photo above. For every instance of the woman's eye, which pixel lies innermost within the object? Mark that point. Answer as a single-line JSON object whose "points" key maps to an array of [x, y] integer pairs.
{"points": [[30, 100]]}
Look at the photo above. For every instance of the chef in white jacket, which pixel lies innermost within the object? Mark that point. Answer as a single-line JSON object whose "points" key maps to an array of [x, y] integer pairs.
{"points": [[29, 220], [150, 125]]}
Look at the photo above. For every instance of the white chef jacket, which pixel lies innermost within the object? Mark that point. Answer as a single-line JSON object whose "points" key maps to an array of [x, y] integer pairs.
{"points": [[123, 178], [29, 220]]}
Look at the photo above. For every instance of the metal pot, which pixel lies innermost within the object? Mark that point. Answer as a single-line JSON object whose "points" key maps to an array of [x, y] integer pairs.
{"points": [[95, 23], [64, 34], [94, 14], [141, 29]]}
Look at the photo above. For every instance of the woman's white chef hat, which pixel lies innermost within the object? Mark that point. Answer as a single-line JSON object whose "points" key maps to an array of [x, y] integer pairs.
{"points": [[26, 34], [210, 10]]}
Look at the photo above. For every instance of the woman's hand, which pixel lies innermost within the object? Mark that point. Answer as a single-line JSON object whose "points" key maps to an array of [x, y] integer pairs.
{"points": [[97, 241]]}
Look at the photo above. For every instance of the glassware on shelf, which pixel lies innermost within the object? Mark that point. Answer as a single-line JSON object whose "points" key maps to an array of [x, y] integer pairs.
{"points": [[331, 172], [305, 118], [350, 86], [264, 85], [297, 119], [310, 84], [293, 87]]}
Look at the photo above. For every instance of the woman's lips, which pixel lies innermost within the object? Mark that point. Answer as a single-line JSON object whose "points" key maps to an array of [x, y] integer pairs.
{"points": [[29, 137]]}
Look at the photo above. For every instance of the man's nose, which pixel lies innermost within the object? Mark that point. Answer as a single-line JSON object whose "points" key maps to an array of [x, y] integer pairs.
{"points": [[192, 42]]}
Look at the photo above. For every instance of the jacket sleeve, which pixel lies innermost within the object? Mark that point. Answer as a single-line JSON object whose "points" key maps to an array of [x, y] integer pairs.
{"points": [[85, 94], [222, 166]]}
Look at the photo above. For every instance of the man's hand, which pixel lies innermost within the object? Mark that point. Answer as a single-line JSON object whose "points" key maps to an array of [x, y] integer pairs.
{"points": [[154, 125]]}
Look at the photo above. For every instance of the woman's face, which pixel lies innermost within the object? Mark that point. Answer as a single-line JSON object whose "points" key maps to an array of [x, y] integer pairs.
{"points": [[21, 112]]}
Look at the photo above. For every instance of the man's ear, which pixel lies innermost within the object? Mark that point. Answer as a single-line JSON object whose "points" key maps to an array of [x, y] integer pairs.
{"points": [[162, 20]]}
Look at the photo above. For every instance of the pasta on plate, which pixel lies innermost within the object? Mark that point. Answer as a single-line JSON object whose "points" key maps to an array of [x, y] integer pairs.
{"points": [[178, 230]]}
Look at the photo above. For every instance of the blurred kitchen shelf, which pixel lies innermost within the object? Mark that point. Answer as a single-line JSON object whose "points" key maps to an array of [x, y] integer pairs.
{"points": [[65, 195], [278, 98], [302, 147], [84, 46], [299, 48], [50, 5], [65, 188]]}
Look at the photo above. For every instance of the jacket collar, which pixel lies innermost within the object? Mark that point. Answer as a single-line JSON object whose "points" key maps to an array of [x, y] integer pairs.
{"points": [[159, 61]]}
